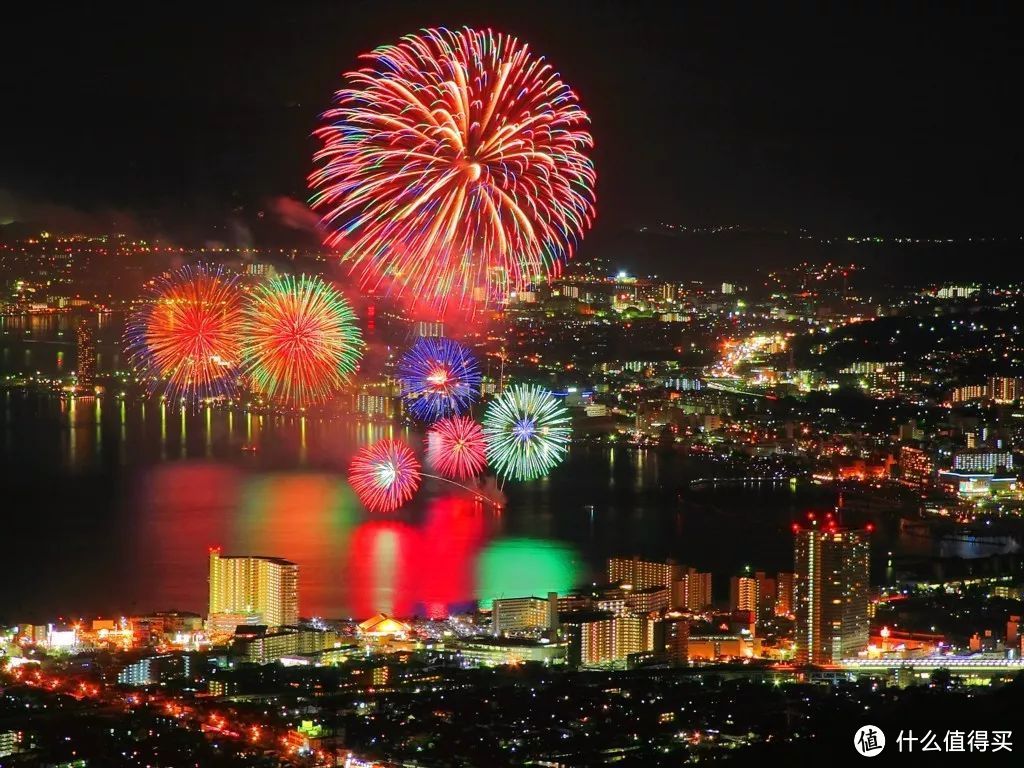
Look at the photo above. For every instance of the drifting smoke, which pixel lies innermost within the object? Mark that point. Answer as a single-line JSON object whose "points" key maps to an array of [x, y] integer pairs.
{"points": [[65, 219], [296, 215]]}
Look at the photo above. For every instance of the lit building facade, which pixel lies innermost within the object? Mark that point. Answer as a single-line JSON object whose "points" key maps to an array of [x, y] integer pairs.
{"points": [[8, 742], [1004, 389], [152, 670], [983, 460], [693, 591], [711, 647], [785, 585], [767, 594], [524, 612], [491, 653], [672, 638], [269, 647], [831, 594], [85, 367], [612, 639], [265, 590], [649, 600], [744, 594], [642, 574], [969, 392], [916, 467]]}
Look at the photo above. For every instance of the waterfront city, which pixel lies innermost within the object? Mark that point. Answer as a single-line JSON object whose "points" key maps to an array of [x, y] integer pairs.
{"points": [[400, 464]]}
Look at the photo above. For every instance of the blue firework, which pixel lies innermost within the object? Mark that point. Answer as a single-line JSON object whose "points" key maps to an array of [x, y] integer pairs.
{"points": [[439, 377]]}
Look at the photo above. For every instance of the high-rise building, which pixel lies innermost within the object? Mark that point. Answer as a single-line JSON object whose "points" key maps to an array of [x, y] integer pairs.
{"points": [[1004, 389], [969, 392], [524, 613], [150, 670], [85, 367], [596, 641], [373, 404], [672, 638], [611, 639], [744, 594], [916, 467], [261, 590], [831, 593], [784, 601], [692, 592], [767, 594], [427, 328], [910, 431], [648, 600], [642, 574], [266, 647]]}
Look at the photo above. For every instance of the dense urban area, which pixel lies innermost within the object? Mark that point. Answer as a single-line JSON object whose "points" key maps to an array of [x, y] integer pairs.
{"points": [[906, 400]]}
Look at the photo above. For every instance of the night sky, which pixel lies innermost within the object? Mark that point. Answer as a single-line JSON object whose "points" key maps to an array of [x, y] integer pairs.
{"points": [[840, 120]]}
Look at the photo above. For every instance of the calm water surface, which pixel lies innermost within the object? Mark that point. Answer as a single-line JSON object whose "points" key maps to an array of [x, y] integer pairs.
{"points": [[110, 505]]}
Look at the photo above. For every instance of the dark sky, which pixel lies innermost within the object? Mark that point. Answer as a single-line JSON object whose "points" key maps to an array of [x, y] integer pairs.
{"points": [[838, 119]]}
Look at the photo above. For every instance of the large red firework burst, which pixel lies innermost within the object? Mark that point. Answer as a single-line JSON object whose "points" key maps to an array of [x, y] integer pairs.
{"points": [[385, 475], [184, 339], [456, 448], [454, 168]]}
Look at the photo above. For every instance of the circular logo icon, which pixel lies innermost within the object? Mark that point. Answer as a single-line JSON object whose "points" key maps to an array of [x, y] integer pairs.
{"points": [[869, 740]]}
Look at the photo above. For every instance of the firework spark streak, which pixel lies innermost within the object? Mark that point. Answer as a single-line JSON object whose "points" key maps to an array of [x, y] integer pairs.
{"points": [[454, 168], [456, 448], [301, 342], [185, 338], [527, 432], [385, 475], [438, 377]]}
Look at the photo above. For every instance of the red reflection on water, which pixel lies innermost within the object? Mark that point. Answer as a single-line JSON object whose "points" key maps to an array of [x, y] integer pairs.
{"points": [[345, 568], [383, 568], [183, 509], [451, 540], [305, 518]]}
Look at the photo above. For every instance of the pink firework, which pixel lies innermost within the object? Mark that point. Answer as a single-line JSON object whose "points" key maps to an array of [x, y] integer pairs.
{"points": [[456, 448]]}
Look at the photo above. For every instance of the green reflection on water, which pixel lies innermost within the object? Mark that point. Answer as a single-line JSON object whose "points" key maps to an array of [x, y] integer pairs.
{"points": [[523, 567]]}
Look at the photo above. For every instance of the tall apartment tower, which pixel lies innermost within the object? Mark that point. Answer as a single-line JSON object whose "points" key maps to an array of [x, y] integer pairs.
{"points": [[642, 574], [255, 590], [831, 593], [85, 351], [744, 594], [784, 601], [692, 592]]}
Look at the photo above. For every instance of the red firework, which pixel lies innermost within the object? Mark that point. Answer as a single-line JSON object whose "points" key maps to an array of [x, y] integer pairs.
{"points": [[454, 167], [456, 448], [186, 340], [385, 475]]}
